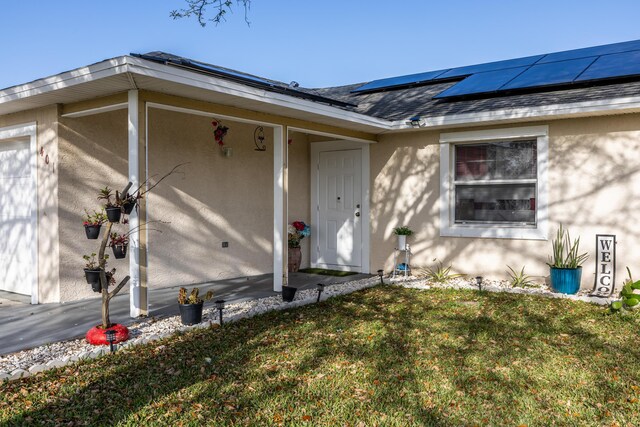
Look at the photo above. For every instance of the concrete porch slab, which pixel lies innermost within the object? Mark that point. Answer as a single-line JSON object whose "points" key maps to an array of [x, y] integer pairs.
{"points": [[26, 326]]}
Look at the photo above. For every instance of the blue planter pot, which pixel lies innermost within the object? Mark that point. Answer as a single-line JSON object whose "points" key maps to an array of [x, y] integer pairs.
{"points": [[566, 280]]}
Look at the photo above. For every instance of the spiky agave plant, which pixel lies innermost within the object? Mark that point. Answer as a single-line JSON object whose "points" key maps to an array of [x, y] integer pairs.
{"points": [[565, 251]]}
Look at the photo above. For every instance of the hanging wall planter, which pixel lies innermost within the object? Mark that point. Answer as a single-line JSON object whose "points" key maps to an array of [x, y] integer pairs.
{"points": [[93, 231], [114, 213], [92, 276], [119, 251], [127, 207]]}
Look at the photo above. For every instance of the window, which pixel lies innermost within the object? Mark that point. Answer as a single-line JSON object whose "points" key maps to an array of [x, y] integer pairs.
{"points": [[493, 183]]}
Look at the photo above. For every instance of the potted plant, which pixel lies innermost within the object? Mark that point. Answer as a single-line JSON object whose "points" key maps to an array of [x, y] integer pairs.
{"points": [[113, 208], [92, 271], [119, 244], [566, 263], [92, 223], [128, 203], [191, 305], [297, 231], [402, 232]]}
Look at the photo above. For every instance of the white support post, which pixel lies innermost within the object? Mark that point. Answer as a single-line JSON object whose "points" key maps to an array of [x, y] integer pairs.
{"points": [[279, 208], [135, 290]]}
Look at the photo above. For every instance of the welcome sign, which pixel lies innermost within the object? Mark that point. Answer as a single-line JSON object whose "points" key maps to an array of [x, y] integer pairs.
{"points": [[605, 265]]}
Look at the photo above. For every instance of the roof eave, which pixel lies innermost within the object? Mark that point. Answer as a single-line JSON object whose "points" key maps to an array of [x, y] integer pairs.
{"points": [[128, 64], [546, 112]]}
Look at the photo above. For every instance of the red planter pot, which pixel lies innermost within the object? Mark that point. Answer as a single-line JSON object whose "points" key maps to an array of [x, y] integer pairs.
{"points": [[96, 335]]}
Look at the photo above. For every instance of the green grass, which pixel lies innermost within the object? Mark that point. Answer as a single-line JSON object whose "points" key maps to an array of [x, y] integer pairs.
{"points": [[385, 356], [325, 272]]}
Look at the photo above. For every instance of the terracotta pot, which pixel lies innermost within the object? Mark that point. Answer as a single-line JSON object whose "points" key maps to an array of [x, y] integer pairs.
{"points": [[295, 255]]}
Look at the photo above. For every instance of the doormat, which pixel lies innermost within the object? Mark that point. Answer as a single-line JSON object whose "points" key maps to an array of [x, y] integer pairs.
{"points": [[325, 272]]}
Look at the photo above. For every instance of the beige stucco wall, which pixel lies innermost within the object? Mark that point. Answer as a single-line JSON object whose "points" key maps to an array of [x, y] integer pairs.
{"points": [[46, 120], [93, 154], [216, 199], [212, 199], [594, 188]]}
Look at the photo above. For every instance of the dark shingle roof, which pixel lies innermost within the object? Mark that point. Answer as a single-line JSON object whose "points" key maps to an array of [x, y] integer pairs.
{"points": [[404, 103], [417, 101]]}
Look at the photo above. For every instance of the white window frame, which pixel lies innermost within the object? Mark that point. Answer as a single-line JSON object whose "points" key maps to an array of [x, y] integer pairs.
{"points": [[448, 227]]}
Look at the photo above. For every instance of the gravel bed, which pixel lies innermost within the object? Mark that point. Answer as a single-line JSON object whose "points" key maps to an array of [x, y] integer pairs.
{"points": [[501, 286], [28, 362], [154, 328]]}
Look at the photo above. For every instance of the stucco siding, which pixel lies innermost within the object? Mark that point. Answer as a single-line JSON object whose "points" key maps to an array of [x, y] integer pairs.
{"points": [[93, 154], [594, 188], [213, 199]]}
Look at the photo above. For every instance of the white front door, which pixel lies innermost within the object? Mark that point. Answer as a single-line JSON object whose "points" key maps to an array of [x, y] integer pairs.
{"points": [[340, 210], [17, 230]]}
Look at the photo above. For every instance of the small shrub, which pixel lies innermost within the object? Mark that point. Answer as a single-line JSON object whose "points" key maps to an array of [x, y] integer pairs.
{"points": [[438, 274], [402, 231], [519, 279]]}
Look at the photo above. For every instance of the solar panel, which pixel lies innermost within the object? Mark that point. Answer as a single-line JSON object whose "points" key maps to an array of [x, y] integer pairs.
{"points": [[591, 51], [399, 81], [490, 81], [549, 74], [490, 66], [616, 65], [226, 72]]}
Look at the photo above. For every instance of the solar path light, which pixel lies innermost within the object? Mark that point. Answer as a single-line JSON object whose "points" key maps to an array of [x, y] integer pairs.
{"points": [[381, 274], [320, 287], [110, 335], [220, 306], [479, 282]]}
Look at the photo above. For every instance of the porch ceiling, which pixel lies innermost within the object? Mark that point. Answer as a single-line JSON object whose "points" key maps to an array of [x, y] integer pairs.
{"points": [[125, 73]]}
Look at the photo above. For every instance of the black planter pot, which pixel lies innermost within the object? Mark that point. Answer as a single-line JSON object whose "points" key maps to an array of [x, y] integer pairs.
{"points": [[127, 207], [119, 251], [288, 293], [191, 314], [92, 276], [114, 213], [93, 231]]}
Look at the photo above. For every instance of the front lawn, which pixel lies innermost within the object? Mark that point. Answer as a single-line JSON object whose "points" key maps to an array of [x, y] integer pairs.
{"points": [[385, 356]]}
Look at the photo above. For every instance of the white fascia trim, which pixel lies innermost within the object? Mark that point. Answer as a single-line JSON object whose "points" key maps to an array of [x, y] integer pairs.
{"points": [[447, 226], [93, 72], [547, 111], [332, 135], [190, 78], [97, 110]]}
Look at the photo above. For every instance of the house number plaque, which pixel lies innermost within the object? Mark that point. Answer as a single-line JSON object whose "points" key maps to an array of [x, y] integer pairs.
{"points": [[605, 265]]}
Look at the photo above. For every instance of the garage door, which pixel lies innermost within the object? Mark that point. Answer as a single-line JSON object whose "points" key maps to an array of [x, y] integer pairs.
{"points": [[17, 228]]}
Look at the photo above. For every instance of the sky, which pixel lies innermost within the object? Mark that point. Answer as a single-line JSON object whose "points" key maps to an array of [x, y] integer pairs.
{"points": [[316, 43]]}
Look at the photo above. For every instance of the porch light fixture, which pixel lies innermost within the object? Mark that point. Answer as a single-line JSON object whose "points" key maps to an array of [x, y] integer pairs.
{"points": [[479, 282], [320, 287], [258, 139], [381, 274], [416, 122], [110, 335], [220, 306]]}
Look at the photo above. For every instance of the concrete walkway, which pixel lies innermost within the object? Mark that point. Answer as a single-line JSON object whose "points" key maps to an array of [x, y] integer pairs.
{"points": [[24, 326]]}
